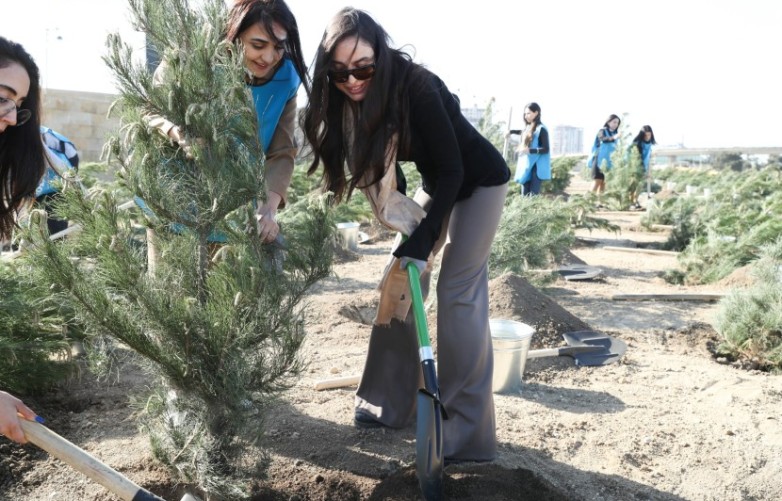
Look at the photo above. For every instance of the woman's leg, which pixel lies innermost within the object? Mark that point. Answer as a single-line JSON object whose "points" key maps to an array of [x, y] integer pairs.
{"points": [[535, 182], [464, 347], [598, 177]]}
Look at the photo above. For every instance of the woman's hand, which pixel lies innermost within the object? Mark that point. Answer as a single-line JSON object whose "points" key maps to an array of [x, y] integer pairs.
{"points": [[265, 218], [404, 261], [10, 409], [176, 135]]}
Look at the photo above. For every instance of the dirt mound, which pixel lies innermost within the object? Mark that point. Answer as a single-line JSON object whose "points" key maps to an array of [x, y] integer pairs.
{"points": [[570, 258], [740, 277], [513, 298], [471, 483]]}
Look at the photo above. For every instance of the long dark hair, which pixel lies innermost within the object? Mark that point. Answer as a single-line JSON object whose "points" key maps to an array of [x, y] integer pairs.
{"points": [[611, 117], [527, 139], [639, 138], [246, 13], [22, 160], [383, 113]]}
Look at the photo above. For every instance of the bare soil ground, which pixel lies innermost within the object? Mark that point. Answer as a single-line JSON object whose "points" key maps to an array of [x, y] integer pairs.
{"points": [[668, 422]]}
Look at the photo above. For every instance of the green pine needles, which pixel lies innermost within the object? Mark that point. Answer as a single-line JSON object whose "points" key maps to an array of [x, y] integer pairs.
{"points": [[218, 326], [750, 320], [34, 352]]}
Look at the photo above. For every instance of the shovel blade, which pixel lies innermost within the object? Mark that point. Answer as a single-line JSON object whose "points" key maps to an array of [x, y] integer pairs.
{"points": [[429, 446], [609, 349]]}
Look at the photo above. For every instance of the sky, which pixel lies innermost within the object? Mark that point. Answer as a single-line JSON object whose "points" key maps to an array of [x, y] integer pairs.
{"points": [[701, 73]]}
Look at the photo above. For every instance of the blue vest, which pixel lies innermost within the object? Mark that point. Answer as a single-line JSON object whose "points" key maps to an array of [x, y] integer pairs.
{"points": [[270, 99], [644, 149], [528, 161], [646, 154], [603, 150]]}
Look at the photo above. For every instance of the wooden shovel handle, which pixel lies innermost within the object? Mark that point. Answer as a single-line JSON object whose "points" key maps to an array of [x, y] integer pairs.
{"points": [[83, 462]]}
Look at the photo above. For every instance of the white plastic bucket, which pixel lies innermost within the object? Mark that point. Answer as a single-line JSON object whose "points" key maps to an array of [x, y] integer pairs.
{"points": [[348, 235], [511, 341]]}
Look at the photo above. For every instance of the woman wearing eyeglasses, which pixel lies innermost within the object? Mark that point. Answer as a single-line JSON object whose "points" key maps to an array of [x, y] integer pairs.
{"points": [[21, 168], [370, 107], [22, 161], [275, 68]]}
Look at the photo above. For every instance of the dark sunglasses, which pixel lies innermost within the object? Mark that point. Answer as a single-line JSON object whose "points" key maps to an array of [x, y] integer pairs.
{"points": [[8, 105], [362, 73]]}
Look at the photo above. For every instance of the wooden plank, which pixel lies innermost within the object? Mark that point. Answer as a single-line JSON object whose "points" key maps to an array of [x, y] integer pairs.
{"points": [[641, 250], [706, 298], [338, 382]]}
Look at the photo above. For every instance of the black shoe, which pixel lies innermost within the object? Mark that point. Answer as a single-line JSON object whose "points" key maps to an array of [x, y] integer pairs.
{"points": [[363, 419]]}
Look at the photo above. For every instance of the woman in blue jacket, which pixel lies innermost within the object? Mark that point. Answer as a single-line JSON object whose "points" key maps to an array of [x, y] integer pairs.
{"points": [[275, 69], [600, 157], [534, 155], [643, 143]]}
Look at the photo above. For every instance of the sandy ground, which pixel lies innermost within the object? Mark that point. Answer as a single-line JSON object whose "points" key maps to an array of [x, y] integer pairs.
{"points": [[668, 422]]}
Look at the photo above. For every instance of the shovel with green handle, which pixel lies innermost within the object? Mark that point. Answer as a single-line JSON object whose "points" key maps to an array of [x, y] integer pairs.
{"points": [[430, 413]]}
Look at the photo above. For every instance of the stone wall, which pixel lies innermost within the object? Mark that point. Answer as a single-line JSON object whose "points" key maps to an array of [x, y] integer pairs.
{"points": [[82, 117]]}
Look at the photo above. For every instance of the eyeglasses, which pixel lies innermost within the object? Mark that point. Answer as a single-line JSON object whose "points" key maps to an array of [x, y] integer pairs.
{"points": [[362, 73], [8, 105]]}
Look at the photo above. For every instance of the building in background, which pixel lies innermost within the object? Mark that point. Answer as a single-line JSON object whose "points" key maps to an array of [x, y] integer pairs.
{"points": [[567, 140]]}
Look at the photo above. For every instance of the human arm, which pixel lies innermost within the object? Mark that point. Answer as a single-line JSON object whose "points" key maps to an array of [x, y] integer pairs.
{"points": [[278, 164], [10, 409], [160, 123], [443, 169], [543, 144], [606, 137]]}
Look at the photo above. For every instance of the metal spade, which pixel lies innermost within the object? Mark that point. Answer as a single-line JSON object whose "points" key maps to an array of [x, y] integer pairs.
{"points": [[430, 413], [587, 348]]}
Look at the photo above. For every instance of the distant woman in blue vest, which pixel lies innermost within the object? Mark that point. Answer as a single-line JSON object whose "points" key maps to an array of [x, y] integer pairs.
{"points": [[534, 155], [275, 69], [643, 143], [600, 157]]}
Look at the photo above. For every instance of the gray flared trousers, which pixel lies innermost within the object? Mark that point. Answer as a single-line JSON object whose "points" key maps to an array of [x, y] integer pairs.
{"points": [[392, 374]]}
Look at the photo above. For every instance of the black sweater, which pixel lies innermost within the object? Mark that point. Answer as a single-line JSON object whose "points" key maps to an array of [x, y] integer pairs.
{"points": [[452, 157]]}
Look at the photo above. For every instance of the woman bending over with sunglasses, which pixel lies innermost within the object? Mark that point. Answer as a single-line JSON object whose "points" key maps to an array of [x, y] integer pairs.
{"points": [[370, 106], [275, 69], [21, 169]]}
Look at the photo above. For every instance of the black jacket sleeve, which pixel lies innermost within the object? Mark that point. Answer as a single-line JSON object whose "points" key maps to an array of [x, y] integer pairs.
{"points": [[434, 126], [543, 143]]}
